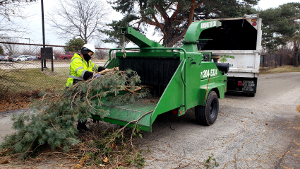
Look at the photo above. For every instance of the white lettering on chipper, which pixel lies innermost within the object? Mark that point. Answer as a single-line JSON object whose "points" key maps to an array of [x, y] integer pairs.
{"points": [[208, 24], [207, 73]]}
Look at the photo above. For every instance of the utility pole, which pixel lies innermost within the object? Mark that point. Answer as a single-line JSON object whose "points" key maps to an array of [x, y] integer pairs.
{"points": [[43, 61], [46, 53]]}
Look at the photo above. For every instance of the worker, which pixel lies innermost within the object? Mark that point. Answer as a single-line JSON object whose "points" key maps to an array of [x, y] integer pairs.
{"points": [[82, 68]]}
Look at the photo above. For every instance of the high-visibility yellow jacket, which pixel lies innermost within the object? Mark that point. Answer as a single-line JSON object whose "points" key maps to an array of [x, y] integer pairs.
{"points": [[78, 67]]}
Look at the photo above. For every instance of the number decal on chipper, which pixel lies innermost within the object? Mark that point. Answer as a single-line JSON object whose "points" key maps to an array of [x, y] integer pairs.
{"points": [[207, 73], [208, 24]]}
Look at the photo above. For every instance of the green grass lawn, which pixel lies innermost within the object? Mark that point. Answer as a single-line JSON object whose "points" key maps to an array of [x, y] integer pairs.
{"points": [[33, 79], [281, 69]]}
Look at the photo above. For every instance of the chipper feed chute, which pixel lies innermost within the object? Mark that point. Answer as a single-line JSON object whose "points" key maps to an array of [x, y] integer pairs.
{"points": [[180, 79]]}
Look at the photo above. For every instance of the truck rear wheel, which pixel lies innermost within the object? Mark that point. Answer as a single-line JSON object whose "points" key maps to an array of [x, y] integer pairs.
{"points": [[207, 115], [251, 94]]}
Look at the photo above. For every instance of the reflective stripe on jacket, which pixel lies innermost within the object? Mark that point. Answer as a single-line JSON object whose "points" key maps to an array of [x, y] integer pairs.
{"points": [[78, 67]]}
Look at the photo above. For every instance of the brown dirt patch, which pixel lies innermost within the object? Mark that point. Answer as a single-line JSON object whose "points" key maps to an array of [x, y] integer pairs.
{"points": [[12, 101], [298, 109], [48, 160]]}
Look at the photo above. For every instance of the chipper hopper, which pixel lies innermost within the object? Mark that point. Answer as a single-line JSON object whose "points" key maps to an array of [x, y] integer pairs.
{"points": [[180, 78]]}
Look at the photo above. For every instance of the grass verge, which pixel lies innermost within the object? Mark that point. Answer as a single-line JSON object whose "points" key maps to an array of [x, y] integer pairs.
{"points": [[19, 86], [18, 80], [281, 69]]}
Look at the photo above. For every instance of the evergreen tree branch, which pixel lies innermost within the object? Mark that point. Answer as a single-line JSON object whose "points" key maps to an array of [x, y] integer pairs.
{"points": [[162, 12], [161, 26], [191, 14], [199, 4], [53, 117], [175, 12]]}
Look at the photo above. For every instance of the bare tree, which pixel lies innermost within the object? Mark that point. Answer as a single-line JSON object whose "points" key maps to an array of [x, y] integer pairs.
{"points": [[9, 10], [78, 18], [101, 54], [10, 48]]}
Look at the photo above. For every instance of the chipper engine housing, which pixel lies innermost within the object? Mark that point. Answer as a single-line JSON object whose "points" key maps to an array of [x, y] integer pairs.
{"points": [[180, 78]]}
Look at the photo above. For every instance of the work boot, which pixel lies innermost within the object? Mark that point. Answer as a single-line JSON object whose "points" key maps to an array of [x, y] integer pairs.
{"points": [[81, 126]]}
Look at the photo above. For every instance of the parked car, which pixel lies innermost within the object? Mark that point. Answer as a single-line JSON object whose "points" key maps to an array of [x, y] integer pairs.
{"points": [[66, 56], [36, 57], [28, 58], [3, 58], [20, 58], [10, 58]]}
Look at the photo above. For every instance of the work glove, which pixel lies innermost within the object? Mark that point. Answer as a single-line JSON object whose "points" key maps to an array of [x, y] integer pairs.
{"points": [[87, 75], [100, 68], [97, 75]]}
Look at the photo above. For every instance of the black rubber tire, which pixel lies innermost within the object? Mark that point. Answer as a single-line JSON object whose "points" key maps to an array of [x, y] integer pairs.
{"points": [[207, 115]]}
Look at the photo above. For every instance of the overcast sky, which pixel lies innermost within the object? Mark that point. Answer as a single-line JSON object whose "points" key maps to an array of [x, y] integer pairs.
{"points": [[34, 23]]}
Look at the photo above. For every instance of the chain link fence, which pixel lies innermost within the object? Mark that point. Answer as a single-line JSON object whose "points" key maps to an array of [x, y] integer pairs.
{"points": [[21, 67]]}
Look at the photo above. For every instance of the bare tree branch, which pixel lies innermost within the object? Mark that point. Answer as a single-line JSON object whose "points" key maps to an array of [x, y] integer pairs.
{"points": [[78, 18], [9, 11]]}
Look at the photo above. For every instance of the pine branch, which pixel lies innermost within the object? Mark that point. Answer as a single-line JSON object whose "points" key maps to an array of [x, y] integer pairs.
{"points": [[53, 117]]}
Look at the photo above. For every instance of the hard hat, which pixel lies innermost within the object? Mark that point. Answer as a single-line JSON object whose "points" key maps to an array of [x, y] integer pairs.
{"points": [[88, 47]]}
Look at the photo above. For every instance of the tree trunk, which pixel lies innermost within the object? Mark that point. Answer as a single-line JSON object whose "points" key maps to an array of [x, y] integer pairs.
{"points": [[264, 61], [169, 35], [275, 59], [296, 49], [280, 59], [171, 38]]}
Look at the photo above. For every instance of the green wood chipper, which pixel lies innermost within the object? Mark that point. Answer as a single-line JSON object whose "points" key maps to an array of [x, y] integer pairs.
{"points": [[180, 78]]}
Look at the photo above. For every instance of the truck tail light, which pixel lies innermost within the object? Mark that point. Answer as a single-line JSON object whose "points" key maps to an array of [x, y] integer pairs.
{"points": [[254, 24], [240, 83]]}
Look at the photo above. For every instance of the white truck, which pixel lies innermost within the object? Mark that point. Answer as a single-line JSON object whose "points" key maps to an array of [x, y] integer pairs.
{"points": [[237, 42]]}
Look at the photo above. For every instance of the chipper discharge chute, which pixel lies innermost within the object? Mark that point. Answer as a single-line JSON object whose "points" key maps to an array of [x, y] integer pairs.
{"points": [[180, 79]]}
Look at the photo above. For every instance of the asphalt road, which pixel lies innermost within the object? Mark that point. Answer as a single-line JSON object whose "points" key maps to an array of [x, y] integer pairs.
{"points": [[250, 132]]}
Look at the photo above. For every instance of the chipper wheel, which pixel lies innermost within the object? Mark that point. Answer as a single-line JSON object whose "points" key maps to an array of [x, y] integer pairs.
{"points": [[207, 115]]}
